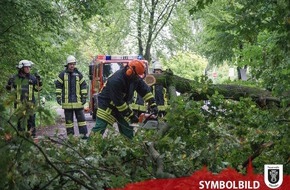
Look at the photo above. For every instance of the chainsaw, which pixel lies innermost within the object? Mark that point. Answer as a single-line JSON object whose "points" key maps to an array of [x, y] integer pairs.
{"points": [[146, 121]]}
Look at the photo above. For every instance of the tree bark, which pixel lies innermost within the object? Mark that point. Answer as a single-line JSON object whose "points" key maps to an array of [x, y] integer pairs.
{"points": [[157, 158], [230, 91], [257, 153]]}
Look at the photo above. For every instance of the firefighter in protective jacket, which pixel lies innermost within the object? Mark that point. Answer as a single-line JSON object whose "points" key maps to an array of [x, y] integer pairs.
{"points": [[25, 84], [159, 92], [117, 93], [71, 93]]}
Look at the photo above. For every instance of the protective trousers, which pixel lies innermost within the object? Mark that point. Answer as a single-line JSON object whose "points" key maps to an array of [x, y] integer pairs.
{"points": [[28, 125], [123, 126], [69, 121]]}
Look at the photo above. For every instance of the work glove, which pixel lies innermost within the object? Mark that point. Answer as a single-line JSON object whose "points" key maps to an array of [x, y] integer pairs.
{"points": [[153, 106], [154, 109], [8, 87], [38, 78], [10, 81], [84, 100], [58, 99], [9, 84], [134, 119]]}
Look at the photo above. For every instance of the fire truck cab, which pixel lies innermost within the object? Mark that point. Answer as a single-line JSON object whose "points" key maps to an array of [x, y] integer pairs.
{"points": [[101, 67]]}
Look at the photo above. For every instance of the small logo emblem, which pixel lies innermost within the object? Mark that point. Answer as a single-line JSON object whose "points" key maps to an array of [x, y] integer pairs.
{"points": [[273, 175]]}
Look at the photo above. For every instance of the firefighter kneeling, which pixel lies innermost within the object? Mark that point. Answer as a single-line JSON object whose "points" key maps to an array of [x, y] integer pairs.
{"points": [[117, 93]]}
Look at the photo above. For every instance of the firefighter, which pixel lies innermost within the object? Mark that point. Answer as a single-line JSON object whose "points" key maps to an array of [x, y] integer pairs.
{"points": [[159, 92], [25, 84], [113, 101], [71, 94]]}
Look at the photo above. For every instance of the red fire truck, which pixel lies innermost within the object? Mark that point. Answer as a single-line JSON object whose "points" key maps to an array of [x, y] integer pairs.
{"points": [[100, 69]]}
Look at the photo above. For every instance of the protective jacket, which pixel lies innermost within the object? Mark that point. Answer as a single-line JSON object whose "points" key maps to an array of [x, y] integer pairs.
{"points": [[118, 92], [160, 95], [25, 86], [72, 88], [138, 103]]}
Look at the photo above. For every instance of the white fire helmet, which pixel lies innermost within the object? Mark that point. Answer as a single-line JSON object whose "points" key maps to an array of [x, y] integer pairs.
{"points": [[24, 63], [157, 66], [71, 59]]}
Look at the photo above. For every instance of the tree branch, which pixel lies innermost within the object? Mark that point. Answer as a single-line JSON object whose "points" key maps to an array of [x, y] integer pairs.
{"points": [[257, 153], [158, 160]]}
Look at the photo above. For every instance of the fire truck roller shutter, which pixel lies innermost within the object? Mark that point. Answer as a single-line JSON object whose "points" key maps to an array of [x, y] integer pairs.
{"points": [[95, 106]]}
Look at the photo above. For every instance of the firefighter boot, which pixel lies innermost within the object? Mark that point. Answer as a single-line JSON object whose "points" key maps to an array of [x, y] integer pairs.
{"points": [[70, 131], [83, 131], [33, 132]]}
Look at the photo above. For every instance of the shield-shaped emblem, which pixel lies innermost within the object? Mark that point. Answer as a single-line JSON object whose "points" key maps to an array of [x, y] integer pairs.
{"points": [[273, 175]]}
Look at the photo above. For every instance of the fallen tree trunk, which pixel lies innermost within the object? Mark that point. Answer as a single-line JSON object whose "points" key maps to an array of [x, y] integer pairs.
{"points": [[229, 91]]}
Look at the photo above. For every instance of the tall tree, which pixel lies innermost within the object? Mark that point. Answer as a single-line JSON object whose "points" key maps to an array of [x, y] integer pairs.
{"points": [[22, 22], [150, 19], [255, 33]]}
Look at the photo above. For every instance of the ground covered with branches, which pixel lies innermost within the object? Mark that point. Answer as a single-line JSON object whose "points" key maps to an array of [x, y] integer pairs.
{"points": [[224, 133]]}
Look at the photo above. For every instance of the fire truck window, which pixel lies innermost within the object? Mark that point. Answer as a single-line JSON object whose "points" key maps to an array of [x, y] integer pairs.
{"points": [[111, 68]]}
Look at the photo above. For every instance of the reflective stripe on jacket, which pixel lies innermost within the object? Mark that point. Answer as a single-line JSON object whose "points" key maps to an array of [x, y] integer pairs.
{"points": [[160, 94], [71, 87], [138, 104], [25, 86]]}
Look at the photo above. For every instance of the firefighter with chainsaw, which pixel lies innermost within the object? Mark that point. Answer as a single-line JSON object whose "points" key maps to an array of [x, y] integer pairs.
{"points": [[113, 101], [24, 84], [159, 92], [71, 94]]}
